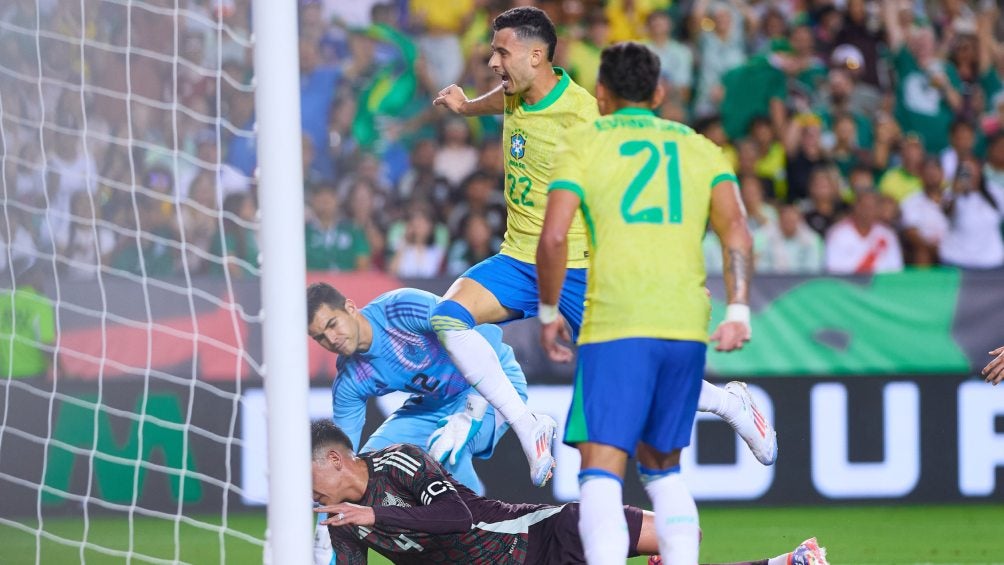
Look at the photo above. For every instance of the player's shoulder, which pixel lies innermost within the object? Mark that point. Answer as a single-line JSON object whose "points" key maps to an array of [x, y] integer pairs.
{"points": [[402, 298], [399, 458]]}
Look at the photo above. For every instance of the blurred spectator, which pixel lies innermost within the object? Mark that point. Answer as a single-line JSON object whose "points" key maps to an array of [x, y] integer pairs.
{"points": [[924, 220], [824, 207], [962, 141], [199, 220], [17, 246], [397, 230], [904, 179], [843, 96], [975, 212], [236, 245], [809, 71], [364, 215], [770, 163], [927, 93], [440, 24], [859, 244], [789, 245], [758, 212], [86, 244], [676, 59], [846, 152], [475, 244], [456, 158], [418, 255], [718, 27], [479, 197], [993, 169], [228, 179], [317, 91], [582, 55], [333, 243], [861, 31], [145, 249], [241, 145], [628, 18], [421, 179], [804, 151]]}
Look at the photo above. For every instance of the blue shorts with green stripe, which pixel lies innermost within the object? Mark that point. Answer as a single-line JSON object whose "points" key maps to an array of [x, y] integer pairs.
{"points": [[636, 389], [514, 284]]}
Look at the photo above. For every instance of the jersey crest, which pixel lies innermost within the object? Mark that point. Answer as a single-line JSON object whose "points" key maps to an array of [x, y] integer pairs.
{"points": [[517, 145]]}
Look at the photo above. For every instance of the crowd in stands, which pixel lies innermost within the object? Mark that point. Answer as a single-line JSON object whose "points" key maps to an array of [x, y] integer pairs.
{"points": [[867, 136]]}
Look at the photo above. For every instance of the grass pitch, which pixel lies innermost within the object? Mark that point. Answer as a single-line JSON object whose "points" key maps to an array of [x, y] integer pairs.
{"points": [[852, 535]]}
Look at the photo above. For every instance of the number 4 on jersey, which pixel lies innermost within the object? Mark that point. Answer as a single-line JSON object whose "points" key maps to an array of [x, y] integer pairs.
{"points": [[653, 214]]}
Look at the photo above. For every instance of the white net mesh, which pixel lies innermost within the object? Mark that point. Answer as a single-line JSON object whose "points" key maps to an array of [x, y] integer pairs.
{"points": [[129, 309]]}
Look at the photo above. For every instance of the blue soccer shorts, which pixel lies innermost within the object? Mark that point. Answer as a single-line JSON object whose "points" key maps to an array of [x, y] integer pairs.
{"points": [[636, 389], [514, 284]]}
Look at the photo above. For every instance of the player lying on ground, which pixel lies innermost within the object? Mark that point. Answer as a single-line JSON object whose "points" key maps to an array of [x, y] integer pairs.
{"points": [[994, 371], [648, 189], [401, 503], [539, 103]]}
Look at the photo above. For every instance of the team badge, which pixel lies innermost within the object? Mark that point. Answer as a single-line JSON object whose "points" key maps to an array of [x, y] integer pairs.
{"points": [[517, 145]]}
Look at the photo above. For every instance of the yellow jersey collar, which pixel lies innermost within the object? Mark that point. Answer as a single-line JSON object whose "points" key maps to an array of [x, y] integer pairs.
{"points": [[634, 111]]}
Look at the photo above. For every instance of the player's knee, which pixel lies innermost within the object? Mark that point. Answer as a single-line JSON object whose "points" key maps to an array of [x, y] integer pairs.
{"points": [[450, 315]]}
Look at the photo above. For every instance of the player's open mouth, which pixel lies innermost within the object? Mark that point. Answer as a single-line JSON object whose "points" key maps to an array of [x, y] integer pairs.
{"points": [[505, 80]]}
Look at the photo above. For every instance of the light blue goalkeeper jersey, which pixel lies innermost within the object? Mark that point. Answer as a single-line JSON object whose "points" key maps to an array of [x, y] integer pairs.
{"points": [[406, 355]]}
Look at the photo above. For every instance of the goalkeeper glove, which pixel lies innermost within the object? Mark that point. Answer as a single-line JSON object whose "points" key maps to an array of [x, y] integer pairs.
{"points": [[456, 430]]}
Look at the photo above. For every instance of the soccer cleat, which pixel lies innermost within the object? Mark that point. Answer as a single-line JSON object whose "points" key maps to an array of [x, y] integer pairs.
{"points": [[542, 461], [808, 553], [755, 430]]}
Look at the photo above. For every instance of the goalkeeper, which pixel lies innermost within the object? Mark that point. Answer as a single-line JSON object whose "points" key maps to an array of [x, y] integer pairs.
{"points": [[389, 345]]}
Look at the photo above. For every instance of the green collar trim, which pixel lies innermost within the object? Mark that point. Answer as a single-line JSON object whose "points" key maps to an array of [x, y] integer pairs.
{"points": [[556, 92], [634, 111]]}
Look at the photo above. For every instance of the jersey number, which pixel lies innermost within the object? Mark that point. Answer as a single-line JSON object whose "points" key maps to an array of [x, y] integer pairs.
{"points": [[406, 543], [524, 182], [674, 205], [424, 383]]}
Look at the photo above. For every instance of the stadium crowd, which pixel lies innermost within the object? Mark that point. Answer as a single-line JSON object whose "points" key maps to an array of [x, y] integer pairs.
{"points": [[867, 136]]}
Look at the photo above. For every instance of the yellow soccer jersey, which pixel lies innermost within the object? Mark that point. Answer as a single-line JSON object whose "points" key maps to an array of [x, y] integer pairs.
{"points": [[530, 137], [645, 185]]}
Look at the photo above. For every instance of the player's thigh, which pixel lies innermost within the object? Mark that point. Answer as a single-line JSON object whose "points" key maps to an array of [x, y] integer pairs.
{"points": [[412, 423], [572, 302], [497, 289], [671, 420], [614, 384], [556, 539]]}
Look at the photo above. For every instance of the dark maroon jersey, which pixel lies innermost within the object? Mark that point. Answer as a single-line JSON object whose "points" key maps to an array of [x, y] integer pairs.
{"points": [[424, 516]]}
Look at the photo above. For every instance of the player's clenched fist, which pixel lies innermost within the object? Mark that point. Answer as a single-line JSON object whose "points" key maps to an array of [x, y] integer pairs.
{"points": [[452, 97]]}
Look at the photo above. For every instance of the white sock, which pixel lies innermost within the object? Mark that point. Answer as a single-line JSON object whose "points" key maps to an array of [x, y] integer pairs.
{"points": [[715, 400], [779, 560], [479, 363], [602, 525], [675, 519]]}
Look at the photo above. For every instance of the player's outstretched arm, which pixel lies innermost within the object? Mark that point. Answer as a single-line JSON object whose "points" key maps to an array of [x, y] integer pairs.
{"points": [[728, 220], [552, 257], [489, 103], [994, 371]]}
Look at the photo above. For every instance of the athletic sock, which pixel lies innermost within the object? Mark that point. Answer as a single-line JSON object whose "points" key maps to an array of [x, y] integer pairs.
{"points": [[479, 363], [675, 515], [716, 401], [780, 560], [602, 525]]}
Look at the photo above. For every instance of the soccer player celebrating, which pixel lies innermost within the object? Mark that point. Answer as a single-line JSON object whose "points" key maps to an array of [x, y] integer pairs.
{"points": [[647, 188], [400, 502], [540, 103]]}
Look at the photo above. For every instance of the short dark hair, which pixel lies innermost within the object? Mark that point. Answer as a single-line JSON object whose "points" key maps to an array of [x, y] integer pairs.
{"points": [[630, 70], [323, 293], [529, 22], [324, 433]]}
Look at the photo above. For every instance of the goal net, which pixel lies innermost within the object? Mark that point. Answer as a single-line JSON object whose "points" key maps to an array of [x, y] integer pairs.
{"points": [[130, 310]]}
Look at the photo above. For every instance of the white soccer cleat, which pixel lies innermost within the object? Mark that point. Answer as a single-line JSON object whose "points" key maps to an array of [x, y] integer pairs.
{"points": [[541, 460], [808, 553], [755, 430]]}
